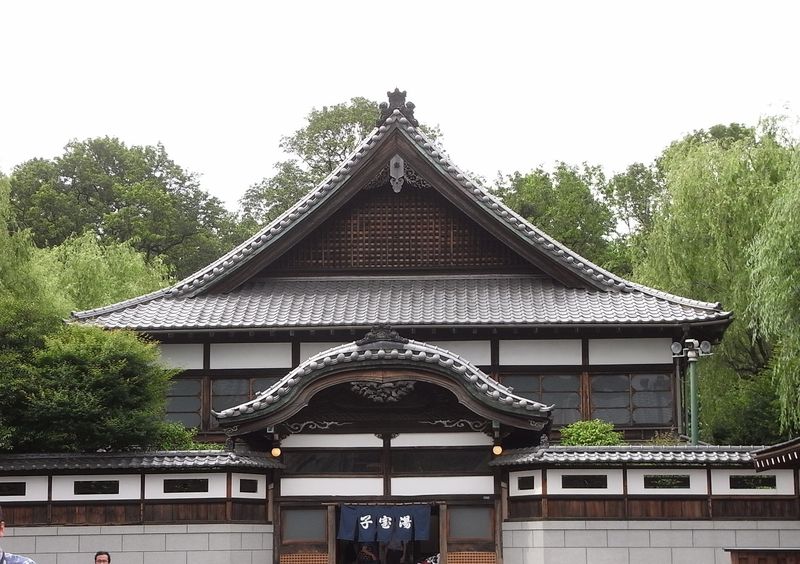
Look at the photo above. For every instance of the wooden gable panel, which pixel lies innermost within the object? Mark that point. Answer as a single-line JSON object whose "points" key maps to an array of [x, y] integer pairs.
{"points": [[416, 228]]}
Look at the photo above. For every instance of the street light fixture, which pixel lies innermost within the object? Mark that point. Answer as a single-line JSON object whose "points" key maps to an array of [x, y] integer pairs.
{"points": [[692, 350]]}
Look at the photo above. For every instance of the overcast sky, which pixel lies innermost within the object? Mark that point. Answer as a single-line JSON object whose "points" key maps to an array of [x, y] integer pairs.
{"points": [[513, 85]]}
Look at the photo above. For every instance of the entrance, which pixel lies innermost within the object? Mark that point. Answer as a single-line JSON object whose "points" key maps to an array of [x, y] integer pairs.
{"points": [[393, 546]]}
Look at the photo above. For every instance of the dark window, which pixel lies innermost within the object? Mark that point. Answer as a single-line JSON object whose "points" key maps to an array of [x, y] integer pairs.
{"points": [[183, 402], [561, 390], [666, 481], [632, 399], [526, 483], [333, 462], [187, 485], [248, 486], [584, 481], [303, 525], [753, 482], [96, 487], [470, 523], [230, 392], [12, 488], [441, 461]]}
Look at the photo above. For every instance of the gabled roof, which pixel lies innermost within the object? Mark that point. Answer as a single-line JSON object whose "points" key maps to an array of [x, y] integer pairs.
{"points": [[644, 455], [397, 133], [781, 455]]}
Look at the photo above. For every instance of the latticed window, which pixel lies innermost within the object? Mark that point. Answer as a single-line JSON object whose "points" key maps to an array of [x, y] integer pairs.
{"points": [[561, 390], [632, 399]]}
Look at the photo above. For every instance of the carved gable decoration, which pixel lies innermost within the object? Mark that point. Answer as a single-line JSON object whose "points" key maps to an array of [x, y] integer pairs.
{"points": [[414, 228]]}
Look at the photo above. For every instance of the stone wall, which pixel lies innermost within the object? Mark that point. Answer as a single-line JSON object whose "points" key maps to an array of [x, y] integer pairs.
{"points": [[640, 542], [144, 544]]}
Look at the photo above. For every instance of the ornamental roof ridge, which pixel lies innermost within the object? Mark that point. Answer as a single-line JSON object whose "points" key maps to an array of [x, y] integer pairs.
{"points": [[598, 277], [398, 350]]}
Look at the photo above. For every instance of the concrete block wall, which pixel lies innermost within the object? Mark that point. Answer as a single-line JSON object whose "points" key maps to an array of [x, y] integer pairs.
{"points": [[640, 542], [227, 543]]}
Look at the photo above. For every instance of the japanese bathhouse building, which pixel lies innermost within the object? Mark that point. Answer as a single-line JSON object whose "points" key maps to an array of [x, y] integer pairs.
{"points": [[389, 361]]}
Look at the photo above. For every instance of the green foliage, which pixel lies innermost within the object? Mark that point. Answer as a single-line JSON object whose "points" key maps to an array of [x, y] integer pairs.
{"points": [[121, 193], [565, 205], [89, 274], [775, 281], [594, 432], [721, 190]]}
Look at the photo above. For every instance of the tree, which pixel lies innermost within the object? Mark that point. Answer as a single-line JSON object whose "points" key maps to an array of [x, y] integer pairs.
{"points": [[67, 387], [775, 281], [564, 204], [121, 193], [720, 190], [594, 432]]}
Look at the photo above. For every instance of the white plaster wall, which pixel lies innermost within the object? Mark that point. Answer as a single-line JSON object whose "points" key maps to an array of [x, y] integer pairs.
{"points": [[187, 357], [721, 485], [225, 543], [640, 542], [251, 355], [613, 481], [698, 481], [261, 489], [478, 353], [513, 483], [130, 487], [331, 486], [443, 485], [35, 488], [441, 439], [333, 440], [154, 486], [307, 350], [553, 352], [630, 351]]}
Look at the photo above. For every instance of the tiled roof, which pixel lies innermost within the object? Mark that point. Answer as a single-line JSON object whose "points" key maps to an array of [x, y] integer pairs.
{"points": [[782, 455], [628, 454], [397, 351], [403, 301], [515, 226], [137, 461]]}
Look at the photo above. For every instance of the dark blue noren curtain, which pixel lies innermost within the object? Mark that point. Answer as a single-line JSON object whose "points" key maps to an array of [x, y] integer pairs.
{"points": [[367, 523]]}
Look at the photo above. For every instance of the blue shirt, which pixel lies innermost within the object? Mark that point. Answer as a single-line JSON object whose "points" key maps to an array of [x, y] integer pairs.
{"points": [[8, 558]]}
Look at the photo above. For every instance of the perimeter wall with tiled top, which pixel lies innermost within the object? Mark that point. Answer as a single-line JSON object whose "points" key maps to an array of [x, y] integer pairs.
{"points": [[640, 542], [144, 544]]}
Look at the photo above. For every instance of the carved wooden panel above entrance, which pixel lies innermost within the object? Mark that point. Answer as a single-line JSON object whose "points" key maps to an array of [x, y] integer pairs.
{"points": [[415, 228]]}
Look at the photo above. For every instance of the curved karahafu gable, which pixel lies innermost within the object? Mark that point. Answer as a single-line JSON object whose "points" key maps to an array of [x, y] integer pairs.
{"points": [[388, 357]]}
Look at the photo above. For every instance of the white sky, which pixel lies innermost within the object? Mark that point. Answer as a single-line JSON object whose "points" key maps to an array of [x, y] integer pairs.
{"points": [[512, 85]]}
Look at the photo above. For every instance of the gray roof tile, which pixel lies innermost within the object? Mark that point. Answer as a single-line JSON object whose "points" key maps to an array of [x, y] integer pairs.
{"points": [[137, 461], [402, 301], [628, 454]]}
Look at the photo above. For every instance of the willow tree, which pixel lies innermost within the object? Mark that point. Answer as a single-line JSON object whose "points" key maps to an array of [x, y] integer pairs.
{"points": [[721, 191]]}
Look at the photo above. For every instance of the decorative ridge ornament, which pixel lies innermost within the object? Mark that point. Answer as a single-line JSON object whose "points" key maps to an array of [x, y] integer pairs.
{"points": [[397, 101], [381, 333]]}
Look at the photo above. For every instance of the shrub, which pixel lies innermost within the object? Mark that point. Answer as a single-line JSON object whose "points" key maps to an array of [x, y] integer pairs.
{"points": [[595, 432]]}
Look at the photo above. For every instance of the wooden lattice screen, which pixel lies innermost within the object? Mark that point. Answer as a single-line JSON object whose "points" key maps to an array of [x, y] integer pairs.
{"points": [[415, 229], [471, 558], [304, 558]]}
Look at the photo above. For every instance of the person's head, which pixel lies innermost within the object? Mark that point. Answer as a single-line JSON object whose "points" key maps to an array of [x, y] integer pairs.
{"points": [[102, 557]]}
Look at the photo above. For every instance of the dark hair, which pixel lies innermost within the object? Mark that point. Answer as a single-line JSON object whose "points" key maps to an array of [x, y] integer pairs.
{"points": [[102, 553]]}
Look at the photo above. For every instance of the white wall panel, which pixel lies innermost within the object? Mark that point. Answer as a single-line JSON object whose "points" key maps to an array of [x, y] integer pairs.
{"points": [[261, 490], [130, 487], [698, 481], [721, 485], [154, 486], [478, 353], [251, 355], [549, 352], [307, 350], [613, 482], [443, 485], [35, 488], [332, 440], [630, 351], [441, 439], [187, 357], [513, 482], [331, 486]]}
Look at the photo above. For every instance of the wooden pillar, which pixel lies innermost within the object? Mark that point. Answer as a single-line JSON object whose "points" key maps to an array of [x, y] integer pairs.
{"points": [[443, 533]]}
